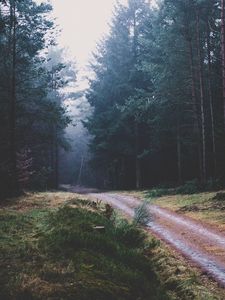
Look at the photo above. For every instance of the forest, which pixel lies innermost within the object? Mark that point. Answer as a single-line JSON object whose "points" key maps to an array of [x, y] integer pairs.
{"points": [[33, 115], [158, 95], [112, 174]]}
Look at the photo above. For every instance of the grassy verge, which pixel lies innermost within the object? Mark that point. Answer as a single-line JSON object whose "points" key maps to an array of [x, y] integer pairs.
{"points": [[50, 248], [182, 280], [208, 207], [53, 250]]}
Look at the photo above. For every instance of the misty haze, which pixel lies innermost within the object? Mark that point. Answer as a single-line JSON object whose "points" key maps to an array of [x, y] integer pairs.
{"points": [[112, 149]]}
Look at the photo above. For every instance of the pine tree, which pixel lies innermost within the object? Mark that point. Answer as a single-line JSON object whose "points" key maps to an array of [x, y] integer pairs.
{"points": [[26, 108]]}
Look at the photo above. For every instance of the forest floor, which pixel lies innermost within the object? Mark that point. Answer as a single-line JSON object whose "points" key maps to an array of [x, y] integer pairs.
{"points": [[192, 225], [207, 207], [50, 249], [62, 246]]}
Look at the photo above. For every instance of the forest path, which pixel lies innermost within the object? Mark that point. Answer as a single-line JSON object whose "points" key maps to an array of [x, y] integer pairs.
{"points": [[200, 244]]}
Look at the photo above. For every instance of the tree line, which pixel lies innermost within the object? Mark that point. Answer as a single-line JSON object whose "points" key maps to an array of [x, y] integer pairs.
{"points": [[32, 114], [158, 94]]}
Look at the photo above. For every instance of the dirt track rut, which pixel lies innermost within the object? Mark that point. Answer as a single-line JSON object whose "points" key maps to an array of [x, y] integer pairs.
{"points": [[202, 245]]}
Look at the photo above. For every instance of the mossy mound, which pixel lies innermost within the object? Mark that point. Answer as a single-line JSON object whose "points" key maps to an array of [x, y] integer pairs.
{"points": [[58, 254]]}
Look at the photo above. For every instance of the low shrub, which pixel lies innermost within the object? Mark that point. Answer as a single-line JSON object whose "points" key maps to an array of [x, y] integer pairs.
{"points": [[158, 192], [214, 184], [142, 215], [129, 234], [219, 196], [190, 187], [40, 179], [110, 263], [72, 229]]}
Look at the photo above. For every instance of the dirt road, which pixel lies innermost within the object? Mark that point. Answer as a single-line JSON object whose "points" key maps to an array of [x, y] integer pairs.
{"points": [[202, 245]]}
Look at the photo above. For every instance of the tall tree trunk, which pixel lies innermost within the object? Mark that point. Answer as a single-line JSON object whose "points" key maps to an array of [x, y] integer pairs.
{"points": [[136, 125], [197, 124], [123, 168], [223, 52], [179, 164], [52, 157], [56, 165], [12, 117], [80, 171], [211, 101], [137, 160], [202, 106]]}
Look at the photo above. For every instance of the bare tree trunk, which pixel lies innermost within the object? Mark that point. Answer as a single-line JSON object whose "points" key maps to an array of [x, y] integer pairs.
{"points": [[12, 118], [179, 164], [136, 125], [80, 171], [195, 106], [202, 108], [56, 165], [138, 174], [211, 102], [137, 160], [123, 168], [52, 157], [223, 51]]}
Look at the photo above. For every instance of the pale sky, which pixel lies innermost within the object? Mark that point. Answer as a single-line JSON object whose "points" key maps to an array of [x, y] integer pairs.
{"points": [[83, 24]]}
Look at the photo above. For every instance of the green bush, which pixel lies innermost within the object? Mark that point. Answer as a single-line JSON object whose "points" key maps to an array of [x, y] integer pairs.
{"points": [[142, 215], [158, 192], [40, 179], [108, 264], [190, 187], [129, 235], [214, 184], [219, 197], [70, 230]]}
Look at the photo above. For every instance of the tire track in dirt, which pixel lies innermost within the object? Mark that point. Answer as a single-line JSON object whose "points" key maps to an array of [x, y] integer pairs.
{"points": [[201, 245]]}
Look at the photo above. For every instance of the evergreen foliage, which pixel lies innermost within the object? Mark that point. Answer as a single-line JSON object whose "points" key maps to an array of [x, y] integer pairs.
{"points": [[32, 115], [157, 95]]}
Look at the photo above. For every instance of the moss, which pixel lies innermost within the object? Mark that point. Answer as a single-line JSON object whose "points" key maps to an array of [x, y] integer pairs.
{"points": [[51, 251], [56, 254]]}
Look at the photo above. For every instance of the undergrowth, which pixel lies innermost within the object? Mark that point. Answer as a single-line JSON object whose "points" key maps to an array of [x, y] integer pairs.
{"points": [[188, 188], [59, 254], [78, 251]]}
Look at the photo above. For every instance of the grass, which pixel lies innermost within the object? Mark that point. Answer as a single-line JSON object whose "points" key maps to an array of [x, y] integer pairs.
{"points": [[203, 206], [183, 281], [208, 207], [50, 249]]}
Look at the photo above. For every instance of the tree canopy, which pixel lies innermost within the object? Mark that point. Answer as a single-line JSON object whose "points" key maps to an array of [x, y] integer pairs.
{"points": [[157, 95], [32, 114]]}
